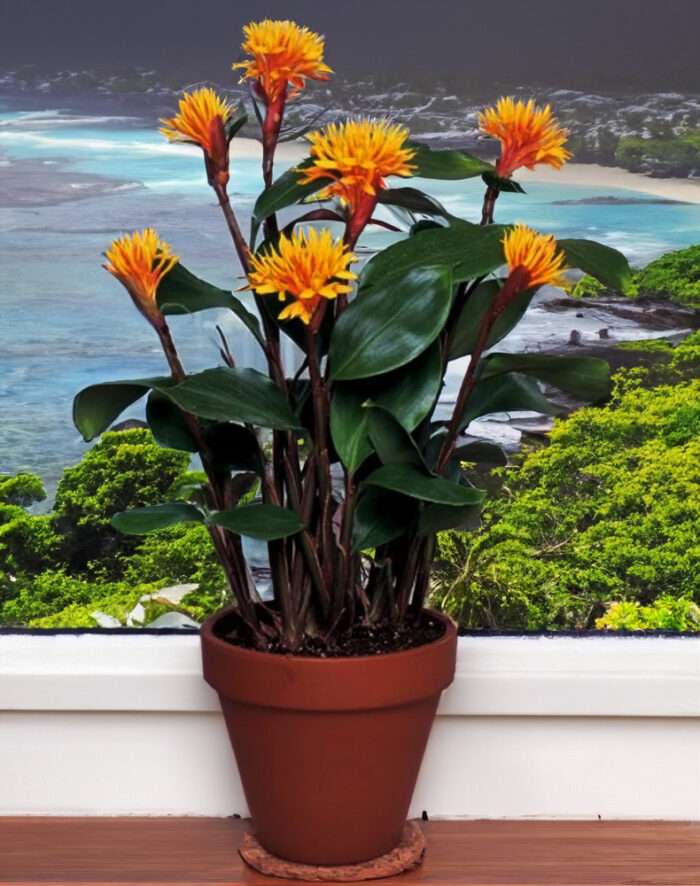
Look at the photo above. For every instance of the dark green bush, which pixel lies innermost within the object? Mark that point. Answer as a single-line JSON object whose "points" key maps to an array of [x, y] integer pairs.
{"points": [[610, 510]]}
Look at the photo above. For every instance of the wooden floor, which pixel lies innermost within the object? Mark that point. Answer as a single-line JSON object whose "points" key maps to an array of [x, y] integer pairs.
{"points": [[187, 851]]}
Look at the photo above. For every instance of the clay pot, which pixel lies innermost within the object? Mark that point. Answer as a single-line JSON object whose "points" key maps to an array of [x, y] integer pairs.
{"points": [[328, 749]]}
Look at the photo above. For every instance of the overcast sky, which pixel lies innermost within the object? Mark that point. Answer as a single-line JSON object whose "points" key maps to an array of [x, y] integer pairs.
{"points": [[562, 42]]}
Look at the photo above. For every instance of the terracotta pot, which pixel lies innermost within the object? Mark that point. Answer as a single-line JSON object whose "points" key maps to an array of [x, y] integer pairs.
{"points": [[328, 750]]}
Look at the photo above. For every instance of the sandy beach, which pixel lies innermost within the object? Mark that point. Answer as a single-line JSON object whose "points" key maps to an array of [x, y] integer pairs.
{"points": [[589, 175]]}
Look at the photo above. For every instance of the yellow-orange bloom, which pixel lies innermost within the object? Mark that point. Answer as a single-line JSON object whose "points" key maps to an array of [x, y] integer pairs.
{"points": [[304, 267], [528, 135], [357, 156], [140, 261], [533, 258], [283, 55], [201, 120]]}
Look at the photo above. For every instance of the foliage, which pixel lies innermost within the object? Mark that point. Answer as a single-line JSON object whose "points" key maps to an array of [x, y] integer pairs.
{"points": [[125, 469], [670, 155], [675, 275], [610, 510], [665, 614], [44, 583]]}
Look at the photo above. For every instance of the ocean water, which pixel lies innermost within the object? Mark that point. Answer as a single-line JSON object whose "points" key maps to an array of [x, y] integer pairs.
{"points": [[66, 323]]}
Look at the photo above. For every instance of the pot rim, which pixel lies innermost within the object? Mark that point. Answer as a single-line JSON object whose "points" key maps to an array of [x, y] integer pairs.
{"points": [[207, 633]]}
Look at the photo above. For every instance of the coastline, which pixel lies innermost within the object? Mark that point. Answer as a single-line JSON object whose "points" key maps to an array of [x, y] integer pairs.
{"points": [[590, 175]]}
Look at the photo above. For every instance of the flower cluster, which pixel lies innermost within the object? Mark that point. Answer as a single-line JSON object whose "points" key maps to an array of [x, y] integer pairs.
{"points": [[533, 258], [357, 156], [528, 135], [140, 261], [306, 267], [201, 120], [283, 56]]}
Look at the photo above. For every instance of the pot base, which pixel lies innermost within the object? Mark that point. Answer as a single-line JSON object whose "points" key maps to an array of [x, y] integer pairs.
{"points": [[407, 856]]}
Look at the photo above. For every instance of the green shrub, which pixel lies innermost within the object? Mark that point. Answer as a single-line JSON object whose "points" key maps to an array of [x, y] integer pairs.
{"points": [[665, 614], [669, 155], [676, 275], [610, 510], [21, 489], [125, 469]]}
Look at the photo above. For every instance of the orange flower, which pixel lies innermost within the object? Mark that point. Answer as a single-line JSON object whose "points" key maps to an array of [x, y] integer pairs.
{"points": [[532, 259], [140, 261], [305, 267], [201, 120], [283, 55], [528, 135], [357, 155]]}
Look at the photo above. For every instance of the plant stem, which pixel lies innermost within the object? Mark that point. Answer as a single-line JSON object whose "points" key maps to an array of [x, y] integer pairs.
{"points": [[229, 554], [490, 198]]}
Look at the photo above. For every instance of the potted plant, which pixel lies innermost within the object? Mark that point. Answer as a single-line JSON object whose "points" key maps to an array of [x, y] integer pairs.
{"points": [[330, 687]]}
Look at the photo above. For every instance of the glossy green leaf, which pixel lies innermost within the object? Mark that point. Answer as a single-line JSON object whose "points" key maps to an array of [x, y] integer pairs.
{"points": [[380, 517], [168, 424], [388, 325], [141, 521], [410, 480], [468, 251], [284, 191], [180, 292], [446, 164], [391, 441], [410, 392], [502, 184], [235, 122], [413, 200], [585, 377], [96, 407], [348, 424], [232, 447], [602, 262], [238, 395], [438, 518], [469, 322], [266, 522], [506, 393], [481, 452]]}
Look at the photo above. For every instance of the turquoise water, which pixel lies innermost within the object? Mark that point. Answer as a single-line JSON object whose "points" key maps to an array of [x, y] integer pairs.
{"points": [[64, 322]]}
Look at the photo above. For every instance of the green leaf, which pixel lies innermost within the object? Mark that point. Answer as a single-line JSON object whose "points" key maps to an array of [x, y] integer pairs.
{"points": [[284, 191], [506, 393], [438, 518], [502, 184], [602, 262], [410, 392], [180, 292], [349, 428], [239, 395], [584, 377], [388, 325], [392, 443], [474, 312], [141, 521], [381, 516], [446, 164], [168, 424], [97, 406], [413, 200], [232, 448], [266, 522], [481, 453], [411, 481], [238, 119], [466, 250]]}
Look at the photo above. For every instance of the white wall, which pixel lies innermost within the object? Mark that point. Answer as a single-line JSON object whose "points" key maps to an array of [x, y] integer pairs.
{"points": [[532, 727]]}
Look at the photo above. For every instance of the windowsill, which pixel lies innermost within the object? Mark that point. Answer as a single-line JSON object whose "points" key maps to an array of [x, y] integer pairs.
{"points": [[496, 675]]}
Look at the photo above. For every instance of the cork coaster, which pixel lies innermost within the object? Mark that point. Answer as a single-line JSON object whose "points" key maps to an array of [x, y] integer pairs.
{"points": [[407, 856]]}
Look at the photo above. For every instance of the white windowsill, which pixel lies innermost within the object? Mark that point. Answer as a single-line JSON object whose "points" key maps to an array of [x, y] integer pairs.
{"points": [[508, 676]]}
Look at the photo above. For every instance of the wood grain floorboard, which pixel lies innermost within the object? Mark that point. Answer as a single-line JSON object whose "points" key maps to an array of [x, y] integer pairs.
{"points": [[188, 851]]}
